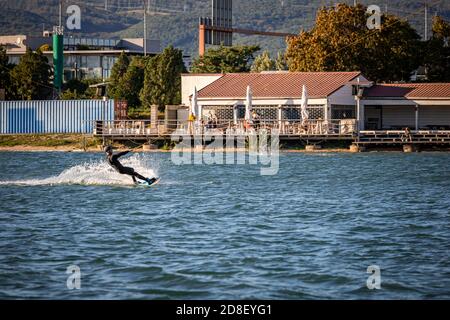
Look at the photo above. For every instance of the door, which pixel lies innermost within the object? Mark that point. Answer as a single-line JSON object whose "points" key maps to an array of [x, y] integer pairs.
{"points": [[373, 117]]}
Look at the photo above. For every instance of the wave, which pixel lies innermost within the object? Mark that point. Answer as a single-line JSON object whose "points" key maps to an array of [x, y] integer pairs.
{"points": [[93, 173]]}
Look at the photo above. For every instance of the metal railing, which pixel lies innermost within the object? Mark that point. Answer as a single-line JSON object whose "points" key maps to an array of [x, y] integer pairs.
{"points": [[165, 127]]}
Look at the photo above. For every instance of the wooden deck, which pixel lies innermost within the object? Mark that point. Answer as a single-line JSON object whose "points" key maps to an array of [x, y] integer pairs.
{"points": [[403, 137], [316, 133]]}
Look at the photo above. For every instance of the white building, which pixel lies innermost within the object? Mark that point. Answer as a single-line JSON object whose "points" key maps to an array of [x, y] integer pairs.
{"points": [[333, 97], [83, 57]]}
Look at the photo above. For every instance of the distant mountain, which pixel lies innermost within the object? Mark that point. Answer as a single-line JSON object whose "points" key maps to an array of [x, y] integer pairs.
{"points": [[176, 21]]}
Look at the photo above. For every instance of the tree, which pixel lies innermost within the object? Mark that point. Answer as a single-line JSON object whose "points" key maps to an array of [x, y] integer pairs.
{"points": [[225, 60], [126, 84], [151, 88], [162, 79], [133, 82], [31, 78], [5, 68], [341, 41], [117, 72], [263, 62], [75, 89], [437, 52], [280, 62]]}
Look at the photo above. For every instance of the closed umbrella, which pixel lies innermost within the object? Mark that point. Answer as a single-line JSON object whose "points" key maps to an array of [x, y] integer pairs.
{"points": [[304, 105], [248, 106]]}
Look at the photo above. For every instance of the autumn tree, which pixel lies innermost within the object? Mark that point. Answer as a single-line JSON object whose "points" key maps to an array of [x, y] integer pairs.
{"points": [[225, 60], [31, 78], [437, 52], [341, 41]]}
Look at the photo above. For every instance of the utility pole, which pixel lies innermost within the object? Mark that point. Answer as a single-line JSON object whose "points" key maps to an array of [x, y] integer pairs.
{"points": [[145, 27], [60, 13], [426, 22], [106, 5], [58, 52]]}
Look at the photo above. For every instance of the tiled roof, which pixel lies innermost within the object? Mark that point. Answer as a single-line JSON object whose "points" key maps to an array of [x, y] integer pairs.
{"points": [[409, 90], [277, 85]]}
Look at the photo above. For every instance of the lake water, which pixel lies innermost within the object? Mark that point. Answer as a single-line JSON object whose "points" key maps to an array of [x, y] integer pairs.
{"points": [[225, 231]]}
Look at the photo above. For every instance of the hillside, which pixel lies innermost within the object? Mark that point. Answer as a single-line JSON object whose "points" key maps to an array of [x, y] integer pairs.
{"points": [[175, 21]]}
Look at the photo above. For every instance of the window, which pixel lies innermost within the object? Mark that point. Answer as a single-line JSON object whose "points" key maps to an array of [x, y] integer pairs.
{"points": [[267, 113], [93, 62], [222, 112], [343, 112], [291, 114], [294, 112]]}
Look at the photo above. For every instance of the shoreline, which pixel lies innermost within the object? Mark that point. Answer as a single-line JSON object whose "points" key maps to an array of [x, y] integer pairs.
{"points": [[96, 150], [31, 149]]}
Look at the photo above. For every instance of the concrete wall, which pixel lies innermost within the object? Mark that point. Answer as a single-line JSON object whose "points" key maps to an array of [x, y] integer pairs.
{"points": [[434, 116], [399, 116], [137, 44], [344, 95], [189, 81]]}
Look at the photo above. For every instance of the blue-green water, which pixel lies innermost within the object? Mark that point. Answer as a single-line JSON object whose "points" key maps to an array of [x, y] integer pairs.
{"points": [[226, 232]]}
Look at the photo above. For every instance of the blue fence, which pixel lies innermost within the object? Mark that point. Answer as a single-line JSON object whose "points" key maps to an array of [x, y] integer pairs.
{"points": [[53, 116]]}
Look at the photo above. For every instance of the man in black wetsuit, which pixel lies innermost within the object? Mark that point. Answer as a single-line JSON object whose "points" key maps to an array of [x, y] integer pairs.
{"points": [[113, 160]]}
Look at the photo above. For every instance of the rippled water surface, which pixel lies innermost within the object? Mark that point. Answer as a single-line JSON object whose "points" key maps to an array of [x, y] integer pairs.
{"points": [[226, 232]]}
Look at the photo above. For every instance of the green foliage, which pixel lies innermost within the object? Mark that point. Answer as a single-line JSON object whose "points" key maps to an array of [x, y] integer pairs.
{"points": [[225, 60], [150, 90], [263, 62], [142, 113], [71, 95], [341, 41], [280, 62], [5, 68], [117, 72], [31, 78], [79, 89], [48, 140], [162, 80], [437, 52], [131, 82]]}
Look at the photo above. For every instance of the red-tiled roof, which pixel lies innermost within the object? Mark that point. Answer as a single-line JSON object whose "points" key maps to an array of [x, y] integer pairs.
{"points": [[277, 85], [409, 90]]}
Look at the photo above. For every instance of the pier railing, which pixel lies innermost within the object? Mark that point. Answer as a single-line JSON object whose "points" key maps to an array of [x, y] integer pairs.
{"points": [[134, 128], [312, 130], [392, 137]]}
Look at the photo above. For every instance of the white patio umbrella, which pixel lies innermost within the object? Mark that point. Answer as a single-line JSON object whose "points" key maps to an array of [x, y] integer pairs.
{"points": [[304, 105], [248, 106]]}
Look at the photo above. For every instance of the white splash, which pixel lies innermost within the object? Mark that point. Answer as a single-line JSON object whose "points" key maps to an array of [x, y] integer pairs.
{"points": [[93, 173]]}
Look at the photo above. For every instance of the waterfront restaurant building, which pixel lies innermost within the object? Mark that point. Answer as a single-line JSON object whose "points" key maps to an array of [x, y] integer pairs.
{"points": [[333, 97]]}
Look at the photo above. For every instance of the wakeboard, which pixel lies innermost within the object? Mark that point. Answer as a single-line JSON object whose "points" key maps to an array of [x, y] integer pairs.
{"points": [[146, 184]]}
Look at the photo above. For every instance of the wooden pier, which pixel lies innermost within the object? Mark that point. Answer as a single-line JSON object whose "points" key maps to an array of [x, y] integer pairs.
{"points": [[402, 137], [315, 133]]}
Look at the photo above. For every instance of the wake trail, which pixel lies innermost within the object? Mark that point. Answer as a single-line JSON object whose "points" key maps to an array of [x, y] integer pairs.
{"points": [[93, 173]]}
